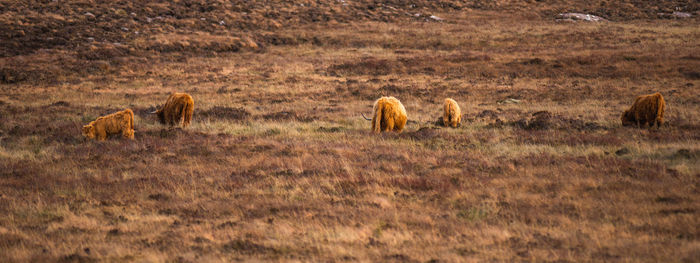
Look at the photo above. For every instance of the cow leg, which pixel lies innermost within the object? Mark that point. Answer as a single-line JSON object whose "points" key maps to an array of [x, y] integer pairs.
{"points": [[171, 120], [176, 116], [128, 133], [181, 115], [101, 135], [390, 124]]}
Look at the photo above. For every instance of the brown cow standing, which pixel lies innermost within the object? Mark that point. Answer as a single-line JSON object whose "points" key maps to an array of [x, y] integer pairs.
{"points": [[647, 109], [179, 106], [452, 115], [389, 115], [115, 123]]}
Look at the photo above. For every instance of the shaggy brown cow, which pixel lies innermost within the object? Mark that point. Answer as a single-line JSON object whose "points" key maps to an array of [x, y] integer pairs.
{"points": [[452, 115], [179, 106], [115, 123], [389, 115], [647, 109]]}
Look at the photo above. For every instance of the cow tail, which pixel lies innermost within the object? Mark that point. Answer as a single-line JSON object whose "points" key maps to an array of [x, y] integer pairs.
{"points": [[661, 107], [187, 114], [377, 121], [450, 113], [131, 119]]}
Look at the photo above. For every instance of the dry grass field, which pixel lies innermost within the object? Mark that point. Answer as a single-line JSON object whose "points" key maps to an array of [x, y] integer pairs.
{"points": [[278, 164]]}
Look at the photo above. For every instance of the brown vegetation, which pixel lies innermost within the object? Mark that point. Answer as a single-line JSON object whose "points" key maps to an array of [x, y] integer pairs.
{"points": [[279, 166], [647, 109], [121, 122]]}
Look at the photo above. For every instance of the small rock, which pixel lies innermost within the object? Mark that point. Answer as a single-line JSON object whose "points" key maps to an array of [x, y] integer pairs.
{"points": [[509, 101], [436, 18], [88, 14], [675, 14], [125, 29], [682, 14], [622, 151], [579, 16]]}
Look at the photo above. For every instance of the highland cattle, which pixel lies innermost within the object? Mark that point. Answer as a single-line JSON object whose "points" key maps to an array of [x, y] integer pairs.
{"points": [[121, 122], [647, 109], [178, 108], [389, 115], [452, 115]]}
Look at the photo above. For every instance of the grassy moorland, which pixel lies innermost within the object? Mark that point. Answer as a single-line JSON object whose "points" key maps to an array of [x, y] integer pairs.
{"points": [[278, 165]]}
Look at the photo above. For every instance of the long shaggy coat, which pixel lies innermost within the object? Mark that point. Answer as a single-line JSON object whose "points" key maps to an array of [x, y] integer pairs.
{"points": [[647, 109], [452, 116], [389, 115], [178, 108], [121, 122]]}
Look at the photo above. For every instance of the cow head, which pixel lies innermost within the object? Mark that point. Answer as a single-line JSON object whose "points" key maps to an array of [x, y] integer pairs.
{"points": [[160, 114], [628, 118], [89, 131]]}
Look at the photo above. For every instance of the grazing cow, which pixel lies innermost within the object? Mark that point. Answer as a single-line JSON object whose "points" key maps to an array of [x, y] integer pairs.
{"points": [[647, 109], [452, 116], [389, 115], [115, 123], [179, 106]]}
